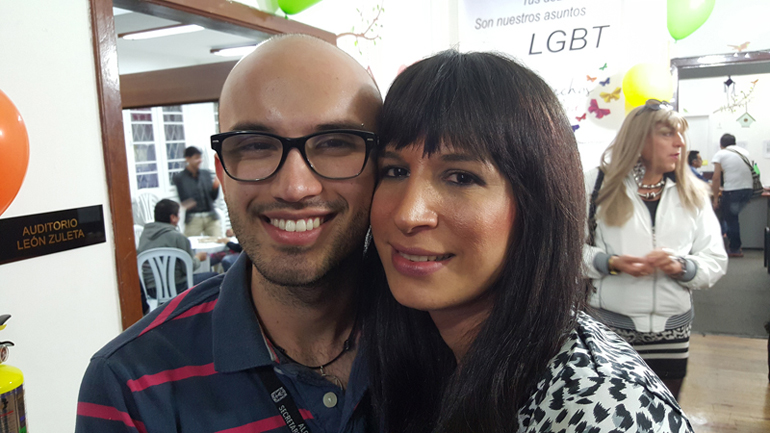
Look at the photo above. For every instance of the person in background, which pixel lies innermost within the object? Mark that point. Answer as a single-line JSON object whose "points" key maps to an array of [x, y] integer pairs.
{"points": [[478, 221], [695, 162], [656, 239], [164, 233], [736, 191], [272, 345], [197, 189]]}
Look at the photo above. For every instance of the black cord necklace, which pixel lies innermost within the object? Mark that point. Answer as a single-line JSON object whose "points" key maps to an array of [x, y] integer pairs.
{"points": [[346, 346]]}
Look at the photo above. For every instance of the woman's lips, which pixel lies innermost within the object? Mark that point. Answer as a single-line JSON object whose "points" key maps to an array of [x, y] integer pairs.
{"points": [[418, 263]]}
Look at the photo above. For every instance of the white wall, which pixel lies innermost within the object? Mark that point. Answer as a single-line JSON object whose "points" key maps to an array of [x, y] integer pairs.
{"points": [[705, 96], [65, 305], [732, 22], [416, 29]]}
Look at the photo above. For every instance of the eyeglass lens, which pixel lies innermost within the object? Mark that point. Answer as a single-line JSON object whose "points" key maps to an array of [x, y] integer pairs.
{"points": [[256, 156]]}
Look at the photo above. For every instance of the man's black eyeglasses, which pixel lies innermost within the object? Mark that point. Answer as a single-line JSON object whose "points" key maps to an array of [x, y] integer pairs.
{"points": [[251, 156], [655, 105]]}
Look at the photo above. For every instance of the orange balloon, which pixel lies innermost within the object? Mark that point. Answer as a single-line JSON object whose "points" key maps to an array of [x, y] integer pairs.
{"points": [[14, 151]]}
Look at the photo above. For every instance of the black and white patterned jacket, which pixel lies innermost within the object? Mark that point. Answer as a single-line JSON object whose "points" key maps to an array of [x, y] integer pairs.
{"points": [[597, 383]]}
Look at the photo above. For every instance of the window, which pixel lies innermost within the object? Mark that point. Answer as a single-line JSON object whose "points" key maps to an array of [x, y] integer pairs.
{"points": [[173, 127], [156, 138]]}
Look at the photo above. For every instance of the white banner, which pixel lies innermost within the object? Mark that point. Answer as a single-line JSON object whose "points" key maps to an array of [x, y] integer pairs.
{"points": [[572, 44]]}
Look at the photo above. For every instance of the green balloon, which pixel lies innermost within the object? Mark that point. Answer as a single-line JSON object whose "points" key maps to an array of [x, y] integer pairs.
{"points": [[686, 16], [292, 7]]}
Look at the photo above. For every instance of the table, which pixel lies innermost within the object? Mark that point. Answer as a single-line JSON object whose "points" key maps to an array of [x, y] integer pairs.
{"points": [[208, 245]]}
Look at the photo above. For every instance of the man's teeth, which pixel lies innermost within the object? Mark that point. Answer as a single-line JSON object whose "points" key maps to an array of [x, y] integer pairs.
{"points": [[424, 258], [303, 225]]}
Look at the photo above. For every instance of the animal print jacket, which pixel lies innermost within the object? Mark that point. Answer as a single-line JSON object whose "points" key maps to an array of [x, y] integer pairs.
{"points": [[597, 383]]}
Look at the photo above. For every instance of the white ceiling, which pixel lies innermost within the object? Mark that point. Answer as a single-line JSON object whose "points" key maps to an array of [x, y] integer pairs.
{"points": [[169, 51]]}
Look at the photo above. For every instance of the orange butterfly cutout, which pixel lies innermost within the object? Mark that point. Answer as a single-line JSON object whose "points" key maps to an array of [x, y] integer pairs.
{"points": [[590, 78], [755, 81], [740, 47], [611, 96], [583, 117]]}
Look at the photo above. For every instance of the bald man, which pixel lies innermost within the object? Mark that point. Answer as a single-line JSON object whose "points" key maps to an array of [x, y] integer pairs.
{"points": [[272, 345]]}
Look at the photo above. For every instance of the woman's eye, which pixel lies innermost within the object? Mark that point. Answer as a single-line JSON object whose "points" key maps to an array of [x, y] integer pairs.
{"points": [[394, 172], [463, 179]]}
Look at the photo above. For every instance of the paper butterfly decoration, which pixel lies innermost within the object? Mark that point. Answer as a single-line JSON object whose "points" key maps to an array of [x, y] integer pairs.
{"points": [[605, 82], [755, 81], [740, 47], [611, 96], [594, 108], [590, 78], [583, 117], [603, 67], [575, 127]]}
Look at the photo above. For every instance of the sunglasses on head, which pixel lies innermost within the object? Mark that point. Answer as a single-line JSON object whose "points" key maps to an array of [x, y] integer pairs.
{"points": [[655, 105]]}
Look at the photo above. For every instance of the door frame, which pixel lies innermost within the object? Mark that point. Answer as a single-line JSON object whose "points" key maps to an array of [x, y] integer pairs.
{"points": [[717, 65], [214, 14]]}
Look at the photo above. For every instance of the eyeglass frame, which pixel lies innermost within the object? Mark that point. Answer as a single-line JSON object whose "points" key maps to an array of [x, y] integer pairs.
{"points": [[370, 141], [654, 105]]}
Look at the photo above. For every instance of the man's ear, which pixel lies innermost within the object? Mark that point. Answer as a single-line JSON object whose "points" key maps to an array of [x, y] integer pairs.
{"points": [[220, 172]]}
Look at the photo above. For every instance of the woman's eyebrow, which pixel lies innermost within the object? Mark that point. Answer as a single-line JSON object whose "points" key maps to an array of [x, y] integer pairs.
{"points": [[390, 154]]}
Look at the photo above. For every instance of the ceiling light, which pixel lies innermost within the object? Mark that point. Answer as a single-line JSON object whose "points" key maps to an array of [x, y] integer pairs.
{"points": [[160, 32], [233, 51]]}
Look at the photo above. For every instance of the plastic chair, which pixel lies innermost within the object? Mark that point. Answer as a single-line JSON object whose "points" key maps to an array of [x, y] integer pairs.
{"points": [[137, 234], [143, 207], [162, 262]]}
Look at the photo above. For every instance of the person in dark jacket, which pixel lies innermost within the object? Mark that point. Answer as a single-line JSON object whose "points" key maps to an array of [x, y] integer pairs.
{"points": [[197, 189], [163, 233]]}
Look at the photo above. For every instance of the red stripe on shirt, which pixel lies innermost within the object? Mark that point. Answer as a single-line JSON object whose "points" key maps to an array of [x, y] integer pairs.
{"points": [[109, 413], [266, 424], [170, 307], [181, 373], [198, 309]]}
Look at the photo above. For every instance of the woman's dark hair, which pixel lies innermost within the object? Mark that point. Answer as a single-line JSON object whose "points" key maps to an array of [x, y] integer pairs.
{"points": [[489, 105]]}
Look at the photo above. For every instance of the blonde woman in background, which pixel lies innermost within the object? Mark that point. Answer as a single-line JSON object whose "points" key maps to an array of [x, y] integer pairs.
{"points": [[653, 238]]}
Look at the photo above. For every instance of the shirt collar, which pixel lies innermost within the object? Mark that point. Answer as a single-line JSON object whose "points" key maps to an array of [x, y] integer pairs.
{"points": [[238, 341]]}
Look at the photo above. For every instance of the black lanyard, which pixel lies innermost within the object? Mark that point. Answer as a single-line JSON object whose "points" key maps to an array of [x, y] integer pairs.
{"points": [[283, 401]]}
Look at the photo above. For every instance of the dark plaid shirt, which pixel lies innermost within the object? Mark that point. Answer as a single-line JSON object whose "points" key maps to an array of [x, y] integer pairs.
{"points": [[190, 366], [199, 188]]}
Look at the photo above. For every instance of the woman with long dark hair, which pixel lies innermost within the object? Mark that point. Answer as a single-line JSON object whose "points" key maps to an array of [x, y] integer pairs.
{"points": [[478, 219], [655, 238]]}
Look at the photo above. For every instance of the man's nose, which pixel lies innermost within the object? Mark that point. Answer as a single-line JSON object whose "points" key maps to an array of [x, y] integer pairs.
{"points": [[295, 180]]}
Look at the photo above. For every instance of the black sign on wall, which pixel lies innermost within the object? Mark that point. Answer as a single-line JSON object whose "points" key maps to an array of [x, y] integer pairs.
{"points": [[31, 236]]}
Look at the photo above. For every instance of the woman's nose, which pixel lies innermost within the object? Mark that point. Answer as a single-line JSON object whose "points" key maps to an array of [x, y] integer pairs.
{"points": [[679, 140], [416, 210]]}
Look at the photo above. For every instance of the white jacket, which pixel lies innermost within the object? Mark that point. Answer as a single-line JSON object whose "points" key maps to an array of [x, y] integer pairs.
{"points": [[649, 301]]}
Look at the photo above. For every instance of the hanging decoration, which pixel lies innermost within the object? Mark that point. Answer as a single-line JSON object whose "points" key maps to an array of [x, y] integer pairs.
{"points": [[686, 16], [734, 102], [739, 48], [729, 86], [371, 32], [14, 151], [745, 120]]}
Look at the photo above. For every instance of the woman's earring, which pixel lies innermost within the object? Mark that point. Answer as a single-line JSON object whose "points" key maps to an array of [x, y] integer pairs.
{"points": [[639, 171]]}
